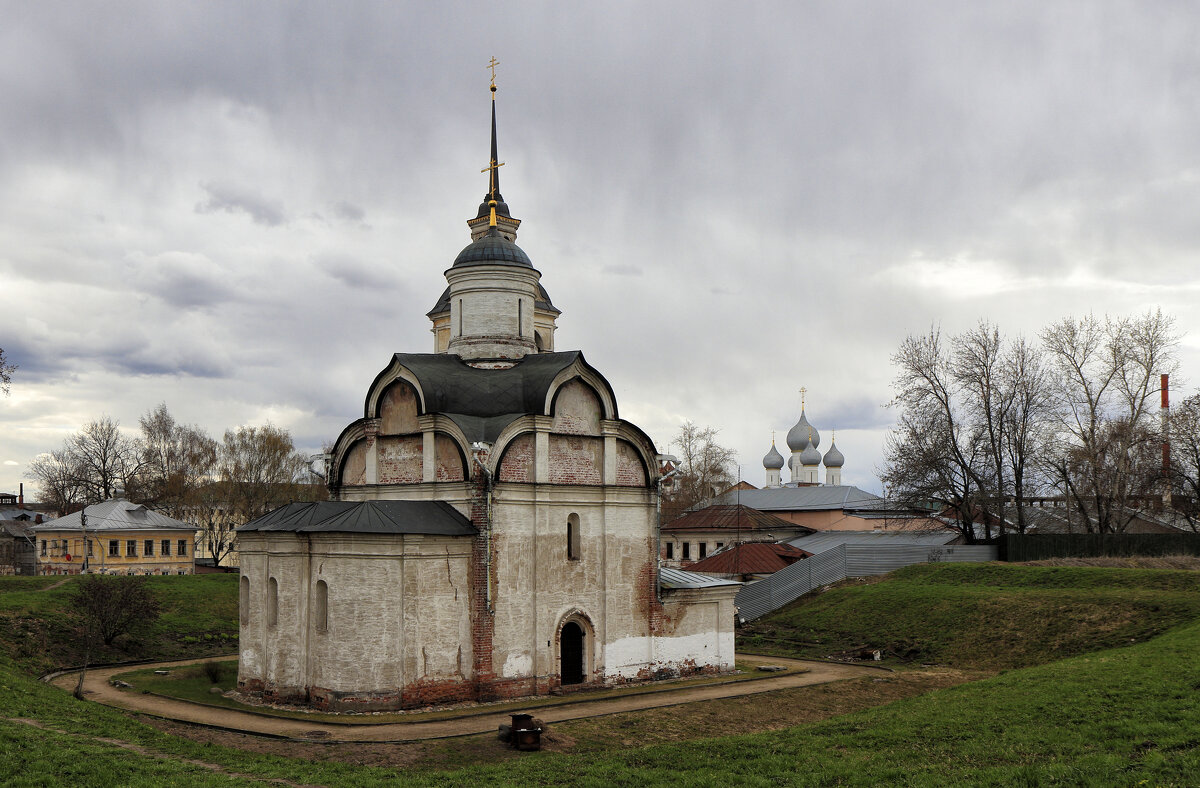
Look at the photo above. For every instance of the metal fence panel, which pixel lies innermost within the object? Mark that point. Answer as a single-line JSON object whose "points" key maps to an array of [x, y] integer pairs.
{"points": [[1037, 547], [756, 599]]}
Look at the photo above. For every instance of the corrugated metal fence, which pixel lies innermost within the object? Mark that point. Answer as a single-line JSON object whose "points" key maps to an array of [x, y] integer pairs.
{"points": [[848, 560], [1037, 547]]}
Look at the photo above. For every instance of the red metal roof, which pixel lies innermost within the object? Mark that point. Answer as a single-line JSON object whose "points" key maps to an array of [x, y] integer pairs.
{"points": [[754, 558]]}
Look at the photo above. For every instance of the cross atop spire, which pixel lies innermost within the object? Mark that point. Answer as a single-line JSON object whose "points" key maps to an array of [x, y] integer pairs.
{"points": [[803, 391], [494, 163]]}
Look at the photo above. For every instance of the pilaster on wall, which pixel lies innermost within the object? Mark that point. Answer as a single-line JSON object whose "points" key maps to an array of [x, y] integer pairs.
{"points": [[371, 430], [610, 459], [428, 456], [482, 582], [541, 449]]}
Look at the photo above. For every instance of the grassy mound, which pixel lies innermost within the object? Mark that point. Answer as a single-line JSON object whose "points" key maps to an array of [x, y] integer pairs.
{"points": [[989, 617], [38, 631]]}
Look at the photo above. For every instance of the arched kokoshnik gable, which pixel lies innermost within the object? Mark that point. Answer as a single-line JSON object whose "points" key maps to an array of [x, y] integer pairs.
{"points": [[462, 405]]}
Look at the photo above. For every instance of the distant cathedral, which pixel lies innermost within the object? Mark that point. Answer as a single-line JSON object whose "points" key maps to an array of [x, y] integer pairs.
{"points": [[805, 462]]}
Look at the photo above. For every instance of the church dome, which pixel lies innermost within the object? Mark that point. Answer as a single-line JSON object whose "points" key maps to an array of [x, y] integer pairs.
{"points": [[492, 249], [798, 436], [810, 456], [773, 460], [833, 457]]}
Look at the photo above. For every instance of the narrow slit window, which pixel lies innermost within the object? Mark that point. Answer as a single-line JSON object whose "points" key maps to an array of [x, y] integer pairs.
{"points": [[244, 600], [573, 537], [321, 606], [272, 602]]}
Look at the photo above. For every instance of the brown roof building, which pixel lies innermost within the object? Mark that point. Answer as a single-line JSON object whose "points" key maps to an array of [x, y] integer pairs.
{"points": [[750, 561], [693, 536]]}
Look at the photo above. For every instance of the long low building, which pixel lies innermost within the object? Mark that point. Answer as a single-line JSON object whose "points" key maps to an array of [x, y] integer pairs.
{"points": [[115, 537]]}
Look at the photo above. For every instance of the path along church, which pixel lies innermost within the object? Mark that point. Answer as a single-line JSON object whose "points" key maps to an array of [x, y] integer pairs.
{"points": [[492, 530]]}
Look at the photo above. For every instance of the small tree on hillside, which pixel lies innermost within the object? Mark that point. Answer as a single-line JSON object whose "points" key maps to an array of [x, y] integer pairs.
{"points": [[108, 607]]}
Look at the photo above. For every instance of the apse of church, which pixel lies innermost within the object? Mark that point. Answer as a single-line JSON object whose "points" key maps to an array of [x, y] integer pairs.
{"points": [[492, 529]]}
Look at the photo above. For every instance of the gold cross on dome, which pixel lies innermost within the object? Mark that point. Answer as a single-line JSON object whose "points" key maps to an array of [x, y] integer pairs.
{"points": [[492, 66], [803, 390], [491, 169]]}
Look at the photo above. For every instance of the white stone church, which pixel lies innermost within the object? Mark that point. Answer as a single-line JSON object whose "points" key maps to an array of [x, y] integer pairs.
{"points": [[492, 529]]}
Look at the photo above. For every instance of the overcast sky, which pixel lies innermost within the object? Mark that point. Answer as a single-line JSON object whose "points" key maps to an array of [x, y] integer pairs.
{"points": [[243, 209]]}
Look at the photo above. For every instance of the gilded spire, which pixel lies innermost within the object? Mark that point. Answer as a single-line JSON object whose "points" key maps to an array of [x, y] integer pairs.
{"points": [[494, 165]]}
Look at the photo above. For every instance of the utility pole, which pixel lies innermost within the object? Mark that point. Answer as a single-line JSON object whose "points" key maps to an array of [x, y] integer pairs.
{"points": [[83, 527]]}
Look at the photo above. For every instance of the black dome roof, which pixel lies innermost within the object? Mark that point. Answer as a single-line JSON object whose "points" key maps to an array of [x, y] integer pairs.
{"points": [[492, 249]]}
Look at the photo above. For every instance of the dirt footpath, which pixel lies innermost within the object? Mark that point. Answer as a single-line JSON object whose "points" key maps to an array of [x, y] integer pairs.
{"points": [[96, 687]]}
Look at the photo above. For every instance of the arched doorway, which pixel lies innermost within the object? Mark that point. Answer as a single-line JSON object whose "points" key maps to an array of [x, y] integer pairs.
{"points": [[573, 667]]}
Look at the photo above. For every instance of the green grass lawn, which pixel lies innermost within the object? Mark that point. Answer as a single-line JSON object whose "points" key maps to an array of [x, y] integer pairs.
{"points": [[991, 617], [38, 633], [1124, 715]]}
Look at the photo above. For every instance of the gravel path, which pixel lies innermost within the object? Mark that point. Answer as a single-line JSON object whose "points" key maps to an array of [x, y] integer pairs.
{"points": [[97, 688]]}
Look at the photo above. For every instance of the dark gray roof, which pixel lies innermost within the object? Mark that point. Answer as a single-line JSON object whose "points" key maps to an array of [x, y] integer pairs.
{"points": [[542, 303], [116, 514], [677, 578], [366, 517], [16, 528], [816, 498], [827, 540], [492, 249], [482, 402]]}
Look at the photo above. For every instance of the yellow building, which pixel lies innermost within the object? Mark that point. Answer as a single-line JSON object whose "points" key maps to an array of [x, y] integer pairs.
{"points": [[115, 537]]}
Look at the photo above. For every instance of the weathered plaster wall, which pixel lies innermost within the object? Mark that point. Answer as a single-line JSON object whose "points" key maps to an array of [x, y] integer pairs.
{"points": [[397, 624], [354, 467], [399, 459], [398, 409], [539, 587], [577, 409], [576, 459]]}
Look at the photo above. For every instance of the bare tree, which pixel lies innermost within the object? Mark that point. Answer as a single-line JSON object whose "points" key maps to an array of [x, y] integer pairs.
{"points": [[706, 469], [179, 461], [106, 460], [1184, 472], [1104, 374], [936, 457], [57, 480], [213, 516], [261, 470], [970, 414], [6, 370], [1026, 420], [93, 465]]}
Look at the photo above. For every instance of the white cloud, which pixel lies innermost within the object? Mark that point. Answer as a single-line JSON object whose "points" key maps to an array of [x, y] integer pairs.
{"points": [[245, 223]]}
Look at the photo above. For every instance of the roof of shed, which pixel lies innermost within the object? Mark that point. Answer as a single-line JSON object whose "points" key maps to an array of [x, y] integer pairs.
{"points": [[828, 540], [754, 558], [366, 517], [677, 578]]}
